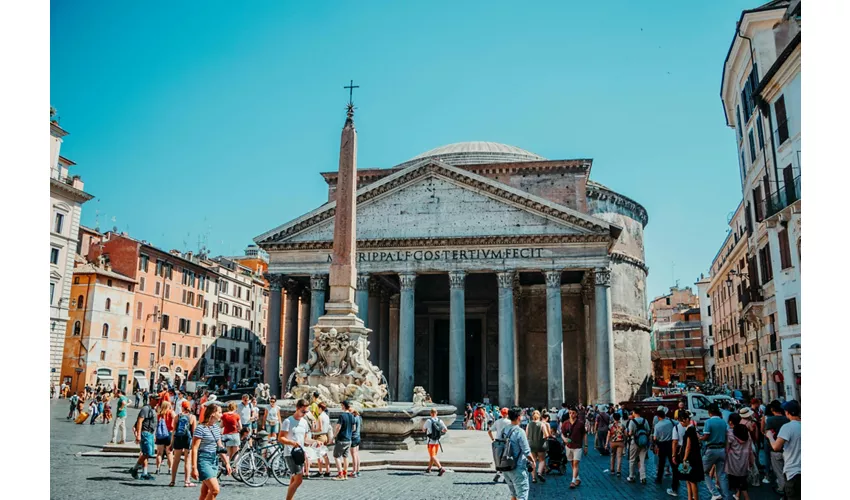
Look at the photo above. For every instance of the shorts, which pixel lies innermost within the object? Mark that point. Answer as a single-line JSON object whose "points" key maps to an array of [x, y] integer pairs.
{"points": [[293, 468], [433, 449], [355, 442], [341, 449], [182, 442], [738, 483], [229, 440], [207, 465], [574, 454], [273, 427], [164, 441], [146, 445], [517, 481]]}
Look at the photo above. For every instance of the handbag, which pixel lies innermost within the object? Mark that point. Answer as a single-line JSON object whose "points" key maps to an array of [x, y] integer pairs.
{"points": [[684, 468]]}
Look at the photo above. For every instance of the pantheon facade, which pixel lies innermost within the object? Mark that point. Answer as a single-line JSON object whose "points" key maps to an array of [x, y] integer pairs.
{"points": [[484, 270]]}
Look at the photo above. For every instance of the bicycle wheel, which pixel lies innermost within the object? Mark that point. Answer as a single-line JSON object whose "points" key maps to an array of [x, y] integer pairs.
{"points": [[279, 469], [253, 469]]}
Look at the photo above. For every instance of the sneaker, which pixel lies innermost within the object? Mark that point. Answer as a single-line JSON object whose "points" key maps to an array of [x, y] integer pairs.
{"points": [[716, 497], [442, 471], [765, 481], [643, 481], [619, 474], [427, 471], [631, 480], [147, 477], [671, 492], [134, 472], [326, 474], [496, 478]]}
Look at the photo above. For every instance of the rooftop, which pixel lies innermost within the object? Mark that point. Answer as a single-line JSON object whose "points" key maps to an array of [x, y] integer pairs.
{"points": [[476, 153]]}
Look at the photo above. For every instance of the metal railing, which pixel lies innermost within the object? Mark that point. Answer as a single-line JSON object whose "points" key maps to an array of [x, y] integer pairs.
{"points": [[782, 197]]}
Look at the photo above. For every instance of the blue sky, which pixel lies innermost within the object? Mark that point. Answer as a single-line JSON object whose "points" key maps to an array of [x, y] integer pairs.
{"points": [[214, 118]]}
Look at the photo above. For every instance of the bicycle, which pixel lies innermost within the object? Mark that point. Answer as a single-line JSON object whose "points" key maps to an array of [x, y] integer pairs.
{"points": [[254, 465]]}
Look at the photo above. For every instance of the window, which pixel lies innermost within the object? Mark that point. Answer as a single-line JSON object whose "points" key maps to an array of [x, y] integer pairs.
{"points": [[108, 303], [153, 337], [80, 302], [142, 284], [760, 134], [103, 355], [152, 359], [143, 262], [54, 256], [197, 328], [781, 120], [668, 300], [135, 358], [127, 308], [77, 329], [752, 145], [156, 288], [184, 297], [138, 310], [164, 322], [58, 222], [784, 249], [204, 330], [791, 311], [710, 332], [246, 358], [173, 349], [195, 352], [138, 337], [162, 349], [765, 265], [740, 125], [159, 267], [759, 204], [180, 351], [709, 310], [772, 329], [224, 330], [105, 330], [124, 335], [167, 291]]}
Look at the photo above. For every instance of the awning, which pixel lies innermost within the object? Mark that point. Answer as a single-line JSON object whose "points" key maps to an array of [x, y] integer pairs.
{"points": [[105, 378], [142, 382]]}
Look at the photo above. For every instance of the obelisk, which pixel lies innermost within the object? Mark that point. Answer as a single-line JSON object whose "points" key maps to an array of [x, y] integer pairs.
{"points": [[339, 366]]}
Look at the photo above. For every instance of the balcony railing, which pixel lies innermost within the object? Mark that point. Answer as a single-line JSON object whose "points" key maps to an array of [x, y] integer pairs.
{"points": [[749, 295], [783, 197]]}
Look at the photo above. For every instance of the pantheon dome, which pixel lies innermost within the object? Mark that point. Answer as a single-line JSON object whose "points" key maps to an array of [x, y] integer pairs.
{"points": [[475, 153]]}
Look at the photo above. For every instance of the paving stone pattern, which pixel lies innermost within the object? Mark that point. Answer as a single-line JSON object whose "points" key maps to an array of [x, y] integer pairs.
{"points": [[74, 477]]}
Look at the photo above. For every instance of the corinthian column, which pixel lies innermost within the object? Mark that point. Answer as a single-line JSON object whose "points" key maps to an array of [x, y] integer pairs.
{"points": [[457, 341], [304, 327], [604, 338], [271, 374], [407, 324], [290, 332], [507, 374], [554, 339], [362, 297]]}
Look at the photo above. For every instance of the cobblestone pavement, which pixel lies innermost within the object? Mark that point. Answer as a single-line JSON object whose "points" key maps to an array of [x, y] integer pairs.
{"points": [[75, 477]]}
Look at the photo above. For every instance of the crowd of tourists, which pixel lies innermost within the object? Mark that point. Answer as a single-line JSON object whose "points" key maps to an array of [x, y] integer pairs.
{"points": [[736, 449]]}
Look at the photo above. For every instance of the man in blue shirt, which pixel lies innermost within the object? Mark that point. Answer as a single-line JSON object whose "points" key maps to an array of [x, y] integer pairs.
{"points": [[714, 434], [517, 479]]}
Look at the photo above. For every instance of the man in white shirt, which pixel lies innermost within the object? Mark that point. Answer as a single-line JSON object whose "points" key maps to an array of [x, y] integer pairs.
{"points": [[293, 434], [788, 442], [245, 409], [499, 426]]}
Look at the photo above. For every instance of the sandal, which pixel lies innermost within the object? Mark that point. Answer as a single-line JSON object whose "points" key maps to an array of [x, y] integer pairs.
{"points": [[534, 480], [188, 485], [171, 483], [573, 484]]}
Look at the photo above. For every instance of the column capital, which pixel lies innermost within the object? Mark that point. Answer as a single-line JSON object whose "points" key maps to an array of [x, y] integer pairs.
{"points": [[374, 288], [407, 280], [318, 282], [363, 281], [276, 281], [457, 279], [553, 279], [506, 279], [602, 276], [292, 287]]}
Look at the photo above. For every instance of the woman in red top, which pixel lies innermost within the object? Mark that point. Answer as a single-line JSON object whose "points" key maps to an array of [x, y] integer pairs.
{"points": [[230, 426], [163, 442], [479, 418]]}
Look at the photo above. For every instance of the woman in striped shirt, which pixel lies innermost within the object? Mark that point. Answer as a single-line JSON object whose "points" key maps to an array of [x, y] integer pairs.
{"points": [[205, 446]]}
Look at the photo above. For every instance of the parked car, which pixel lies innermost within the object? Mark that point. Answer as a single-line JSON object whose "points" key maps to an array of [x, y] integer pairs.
{"points": [[696, 404], [720, 398]]}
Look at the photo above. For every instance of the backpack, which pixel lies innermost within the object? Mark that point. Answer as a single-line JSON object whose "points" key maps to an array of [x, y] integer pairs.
{"points": [[435, 433], [503, 455], [642, 435], [182, 426], [162, 429]]}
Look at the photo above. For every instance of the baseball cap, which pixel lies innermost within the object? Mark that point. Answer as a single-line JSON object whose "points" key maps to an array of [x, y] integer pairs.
{"points": [[504, 412], [186, 405], [792, 407]]}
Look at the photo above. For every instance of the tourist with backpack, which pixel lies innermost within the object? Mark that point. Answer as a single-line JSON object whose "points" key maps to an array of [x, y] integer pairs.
{"points": [[164, 428], [434, 429], [714, 434], [72, 411], [181, 443], [614, 442], [638, 432], [574, 435], [511, 455]]}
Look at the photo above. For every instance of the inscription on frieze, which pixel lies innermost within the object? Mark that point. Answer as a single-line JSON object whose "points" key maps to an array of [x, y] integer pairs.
{"points": [[447, 255]]}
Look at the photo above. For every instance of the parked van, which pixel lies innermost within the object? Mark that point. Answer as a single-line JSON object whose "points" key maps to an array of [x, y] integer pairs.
{"points": [[696, 404]]}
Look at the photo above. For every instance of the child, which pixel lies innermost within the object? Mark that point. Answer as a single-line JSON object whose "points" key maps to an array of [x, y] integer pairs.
{"points": [[107, 411]]}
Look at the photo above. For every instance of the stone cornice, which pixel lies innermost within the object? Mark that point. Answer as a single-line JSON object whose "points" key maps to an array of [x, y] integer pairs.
{"points": [[77, 195], [629, 323], [451, 173], [598, 192], [544, 239], [621, 257]]}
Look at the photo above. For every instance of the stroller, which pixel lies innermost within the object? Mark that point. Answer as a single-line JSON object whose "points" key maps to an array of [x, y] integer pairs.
{"points": [[555, 455]]}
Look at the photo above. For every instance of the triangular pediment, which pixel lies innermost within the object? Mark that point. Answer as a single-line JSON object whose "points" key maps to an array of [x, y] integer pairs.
{"points": [[433, 200]]}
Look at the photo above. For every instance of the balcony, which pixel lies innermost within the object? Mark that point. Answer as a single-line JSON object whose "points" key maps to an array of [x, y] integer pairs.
{"points": [[783, 197]]}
